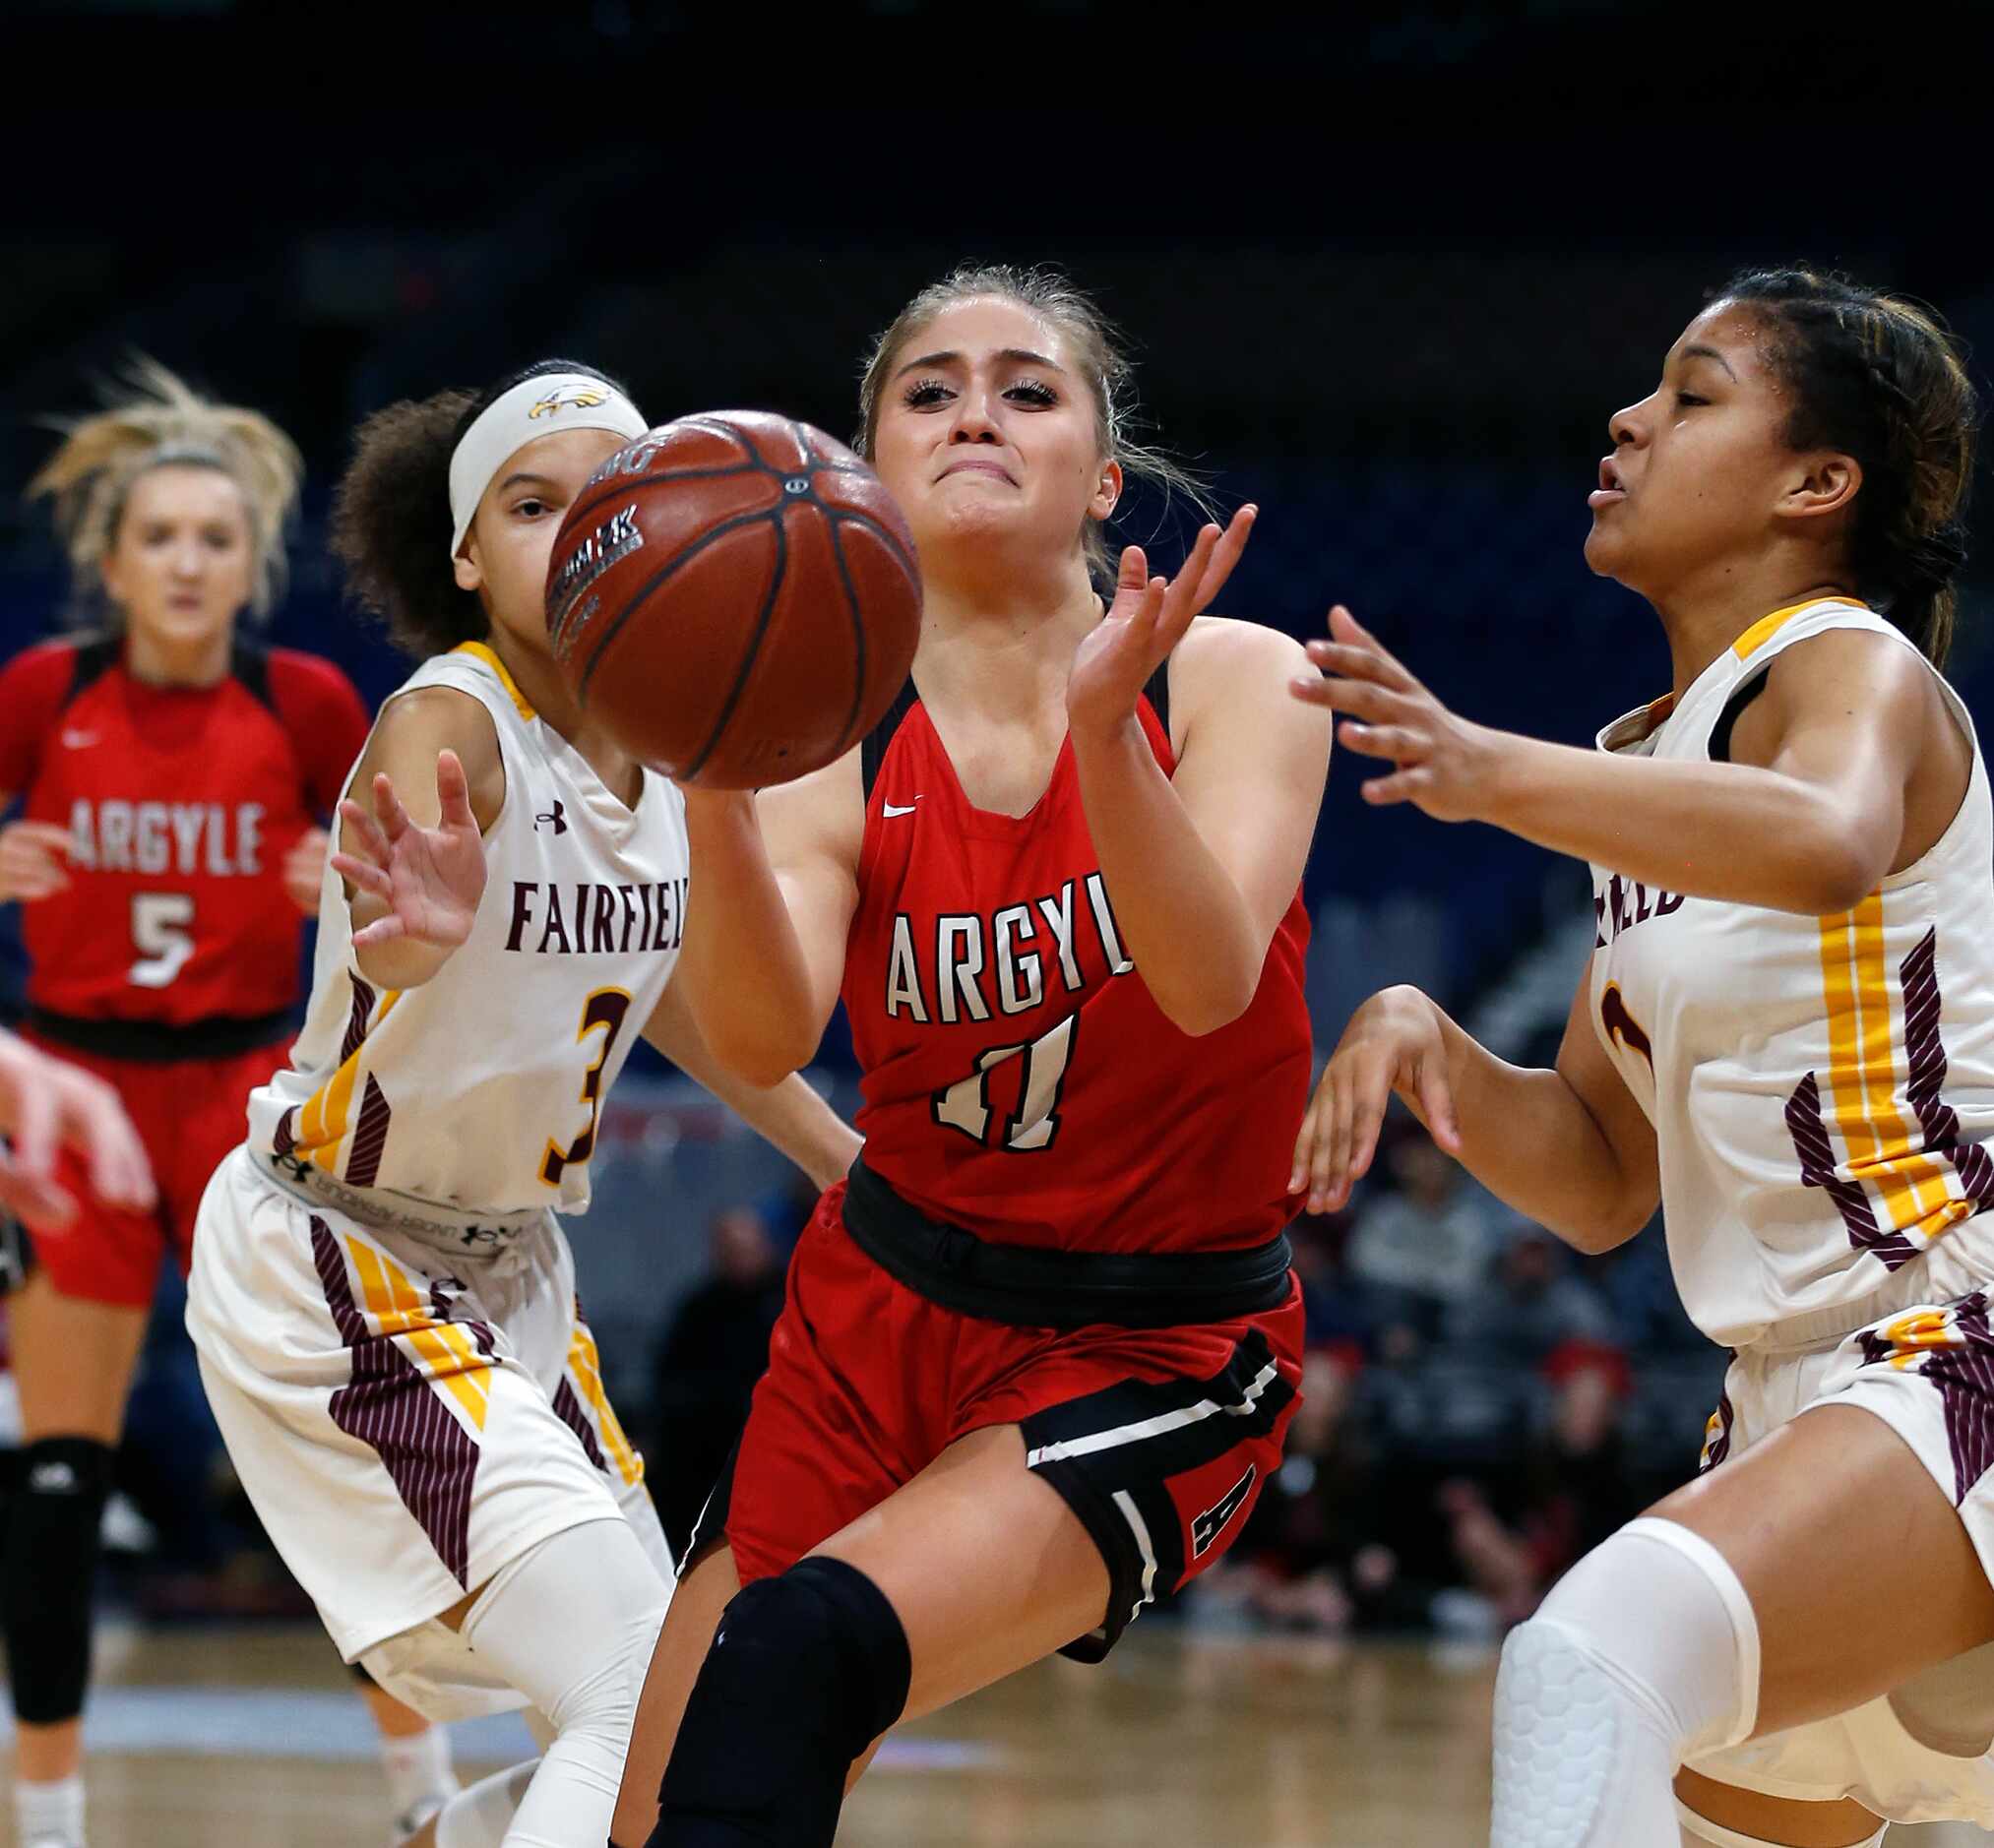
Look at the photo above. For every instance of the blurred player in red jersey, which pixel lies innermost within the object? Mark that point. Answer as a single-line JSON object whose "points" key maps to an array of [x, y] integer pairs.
{"points": [[171, 775], [1040, 1349]]}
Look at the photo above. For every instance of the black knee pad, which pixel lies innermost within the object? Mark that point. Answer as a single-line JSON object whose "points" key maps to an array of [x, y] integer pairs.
{"points": [[807, 1670], [47, 1572]]}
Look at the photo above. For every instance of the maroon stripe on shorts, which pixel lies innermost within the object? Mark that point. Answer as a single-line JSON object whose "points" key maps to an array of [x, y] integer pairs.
{"points": [[1963, 1370], [391, 1407], [568, 1408], [1925, 1066], [357, 1022], [1817, 1169], [370, 1135], [284, 1138]]}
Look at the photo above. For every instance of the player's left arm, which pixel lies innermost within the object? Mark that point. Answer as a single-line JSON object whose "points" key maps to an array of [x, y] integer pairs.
{"points": [[1201, 865], [791, 1115], [1808, 820]]}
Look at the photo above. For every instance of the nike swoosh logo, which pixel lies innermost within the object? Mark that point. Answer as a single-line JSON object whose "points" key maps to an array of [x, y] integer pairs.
{"points": [[891, 808]]}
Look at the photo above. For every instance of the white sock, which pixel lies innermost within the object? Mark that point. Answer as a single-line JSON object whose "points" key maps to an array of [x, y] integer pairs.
{"points": [[1645, 1650], [49, 1816], [479, 1817], [418, 1770]]}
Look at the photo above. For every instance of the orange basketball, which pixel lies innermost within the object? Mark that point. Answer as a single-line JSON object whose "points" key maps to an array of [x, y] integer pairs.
{"points": [[736, 598]]}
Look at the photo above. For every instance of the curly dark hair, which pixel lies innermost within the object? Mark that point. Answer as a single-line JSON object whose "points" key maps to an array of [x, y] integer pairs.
{"points": [[390, 513], [1881, 379]]}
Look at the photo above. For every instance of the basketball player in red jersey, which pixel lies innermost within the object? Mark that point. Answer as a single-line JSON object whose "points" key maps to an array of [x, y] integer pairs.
{"points": [[171, 774], [1040, 1349]]}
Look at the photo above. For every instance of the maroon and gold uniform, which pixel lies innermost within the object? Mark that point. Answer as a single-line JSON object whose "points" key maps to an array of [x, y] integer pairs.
{"points": [[170, 963], [1068, 1216]]}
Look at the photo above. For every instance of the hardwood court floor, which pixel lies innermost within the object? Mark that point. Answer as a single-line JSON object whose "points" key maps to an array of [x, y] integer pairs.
{"points": [[1183, 1740]]}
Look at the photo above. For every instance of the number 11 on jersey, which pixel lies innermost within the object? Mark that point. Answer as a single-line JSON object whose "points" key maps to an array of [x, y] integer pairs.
{"points": [[965, 1104]]}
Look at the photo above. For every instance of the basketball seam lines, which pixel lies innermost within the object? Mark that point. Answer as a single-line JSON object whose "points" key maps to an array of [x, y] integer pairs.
{"points": [[762, 617], [644, 592]]}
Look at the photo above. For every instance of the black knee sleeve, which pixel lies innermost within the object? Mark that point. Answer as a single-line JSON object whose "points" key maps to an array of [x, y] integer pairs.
{"points": [[807, 1670], [47, 1572]]}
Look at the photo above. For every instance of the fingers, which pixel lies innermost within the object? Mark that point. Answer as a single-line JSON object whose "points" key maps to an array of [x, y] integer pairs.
{"points": [[35, 1084], [42, 1203], [1403, 785], [387, 809], [383, 930], [453, 792], [1370, 1094], [1346, 632], [1436, 1104], [1134, 572], [1225, 552], [364, 874], [51, 836], [93, 1120], [1399, 743], [1305, 1141], [364, 831], [1359, 699]]}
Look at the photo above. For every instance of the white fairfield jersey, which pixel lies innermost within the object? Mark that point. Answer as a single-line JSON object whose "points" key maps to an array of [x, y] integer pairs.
{"points": [[1821, 1089], [480, 1090]]}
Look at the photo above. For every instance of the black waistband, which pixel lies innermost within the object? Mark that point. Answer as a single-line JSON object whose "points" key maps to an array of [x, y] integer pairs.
{"points": [[160, 1042], [1029, 1286]]}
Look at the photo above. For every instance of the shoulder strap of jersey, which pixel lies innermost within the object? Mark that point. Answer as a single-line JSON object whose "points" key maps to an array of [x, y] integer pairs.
{"points": [[249, 662], [1158, 692], [873, 746], [96, 657]]}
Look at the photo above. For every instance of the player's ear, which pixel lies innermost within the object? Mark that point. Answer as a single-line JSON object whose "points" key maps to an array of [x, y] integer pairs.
{"points": [[1823, 482], [1108, 491], [464, 567]]}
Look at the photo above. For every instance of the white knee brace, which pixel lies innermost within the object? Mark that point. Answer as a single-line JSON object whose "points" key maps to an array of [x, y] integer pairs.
{"points": [[1645, 1650]]}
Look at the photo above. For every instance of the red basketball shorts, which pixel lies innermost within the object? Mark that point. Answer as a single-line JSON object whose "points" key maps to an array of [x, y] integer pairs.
{"points": [[189, 1113], [1160, 1439]]}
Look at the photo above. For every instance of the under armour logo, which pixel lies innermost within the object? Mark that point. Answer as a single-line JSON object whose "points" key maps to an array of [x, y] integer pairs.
{"points": [[53, 1479], [558, 816]]}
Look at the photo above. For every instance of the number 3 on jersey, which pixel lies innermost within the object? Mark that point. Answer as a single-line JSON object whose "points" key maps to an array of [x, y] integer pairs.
{"points": [[606, 1008], [965, 1104]]}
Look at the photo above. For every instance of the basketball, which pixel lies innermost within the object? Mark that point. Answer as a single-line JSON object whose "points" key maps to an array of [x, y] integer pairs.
{"points": [[735, 595]]}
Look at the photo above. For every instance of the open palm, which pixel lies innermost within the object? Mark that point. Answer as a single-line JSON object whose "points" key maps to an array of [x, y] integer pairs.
{"points": [[430, 878]]}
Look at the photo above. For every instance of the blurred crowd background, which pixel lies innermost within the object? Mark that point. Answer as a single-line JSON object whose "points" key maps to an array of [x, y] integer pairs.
{"points": [[1388, 272]]}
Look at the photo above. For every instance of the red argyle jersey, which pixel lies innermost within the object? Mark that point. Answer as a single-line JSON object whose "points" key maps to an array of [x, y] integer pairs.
{"points": [[181, 803], [1019, 1078]]}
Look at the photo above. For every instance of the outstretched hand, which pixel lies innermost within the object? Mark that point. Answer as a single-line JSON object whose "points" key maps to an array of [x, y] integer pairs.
{"points": [[45, 1102], [1442, 764], [1147, 620], [430, 878], [1393, 1042]]}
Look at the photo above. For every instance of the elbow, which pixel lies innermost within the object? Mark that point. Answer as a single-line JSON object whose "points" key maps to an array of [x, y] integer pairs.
{"points": [[1209, 1005], [761, 1062], [1610, 1227], [1838, 880]]}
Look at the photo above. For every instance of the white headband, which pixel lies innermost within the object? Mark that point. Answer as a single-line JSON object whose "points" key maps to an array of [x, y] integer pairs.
{"points": [[537, 407]]}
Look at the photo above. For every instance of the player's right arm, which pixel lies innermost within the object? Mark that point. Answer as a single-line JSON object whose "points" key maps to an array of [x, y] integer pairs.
{"points": [[1569, 1148], [775, 887], [412, 853]]}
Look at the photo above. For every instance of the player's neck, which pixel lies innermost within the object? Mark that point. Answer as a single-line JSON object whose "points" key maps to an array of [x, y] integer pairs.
{"points": [[167, 661], [1002, 648], [542, 687], [1707, 612]]}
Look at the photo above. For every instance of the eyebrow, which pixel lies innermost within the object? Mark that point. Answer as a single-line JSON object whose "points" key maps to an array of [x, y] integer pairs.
{"points": [[523, 475], [1018, 355], [1709, 352]]}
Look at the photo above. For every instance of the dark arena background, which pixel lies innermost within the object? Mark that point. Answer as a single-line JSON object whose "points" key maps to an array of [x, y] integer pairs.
{"points": [[1387, 272]]}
